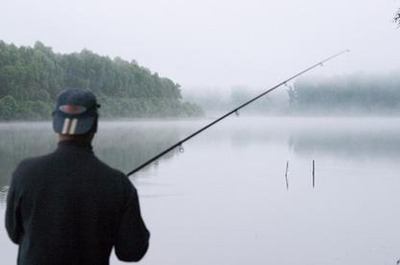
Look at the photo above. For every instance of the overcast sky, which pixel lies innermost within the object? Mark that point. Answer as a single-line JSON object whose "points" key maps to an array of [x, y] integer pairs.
{"points": [[215, 43]]}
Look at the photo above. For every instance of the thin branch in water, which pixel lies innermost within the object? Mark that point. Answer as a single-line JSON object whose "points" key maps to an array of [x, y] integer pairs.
{"points": [[286, 175], [313, 173]]}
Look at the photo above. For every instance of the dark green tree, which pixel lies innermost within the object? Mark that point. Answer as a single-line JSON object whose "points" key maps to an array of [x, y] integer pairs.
{"points": [[31, 78], [8, 108]]}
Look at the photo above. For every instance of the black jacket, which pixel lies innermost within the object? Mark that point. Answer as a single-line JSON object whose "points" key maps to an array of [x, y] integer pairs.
{"points": [[69, 208]]}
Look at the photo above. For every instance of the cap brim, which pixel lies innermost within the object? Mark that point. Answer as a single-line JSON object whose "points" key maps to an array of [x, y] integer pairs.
{"points": [[66, 124]]}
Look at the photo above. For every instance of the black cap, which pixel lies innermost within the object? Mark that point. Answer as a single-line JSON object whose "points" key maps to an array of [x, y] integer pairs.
{"points": [[75, 112]]}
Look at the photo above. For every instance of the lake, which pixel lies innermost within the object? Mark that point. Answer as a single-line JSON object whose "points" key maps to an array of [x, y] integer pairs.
{"points": [[224, 200]]}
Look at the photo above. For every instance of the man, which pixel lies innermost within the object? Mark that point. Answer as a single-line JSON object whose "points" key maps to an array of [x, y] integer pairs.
{"points": [[68, 207]]}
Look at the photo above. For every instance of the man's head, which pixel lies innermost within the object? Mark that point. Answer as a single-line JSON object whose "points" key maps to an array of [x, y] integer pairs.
{"points": [[75, 115]]}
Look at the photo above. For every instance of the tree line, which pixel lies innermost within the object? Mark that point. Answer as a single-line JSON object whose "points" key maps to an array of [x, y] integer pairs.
{"points": [[358, 94], [347, 94], [31, 78]]}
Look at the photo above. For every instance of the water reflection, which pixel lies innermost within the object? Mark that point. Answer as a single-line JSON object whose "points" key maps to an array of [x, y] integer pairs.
{"points": [[348, 145], [3, 194], [355, 139], [127, 145], [338, 138], [123, 145], [235, 173], [21, 140]]}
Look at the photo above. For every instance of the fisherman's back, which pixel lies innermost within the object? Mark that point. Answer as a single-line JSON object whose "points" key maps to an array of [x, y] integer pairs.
{"points": [[70, 208]]}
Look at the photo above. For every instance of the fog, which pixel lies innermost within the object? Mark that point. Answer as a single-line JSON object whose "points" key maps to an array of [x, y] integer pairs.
{"points": [[224, 200], [215, 43], [343, 95], [217, 102]]}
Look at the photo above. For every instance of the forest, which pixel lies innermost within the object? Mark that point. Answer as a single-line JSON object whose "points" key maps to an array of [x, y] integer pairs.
{"points": [[32, 77]]}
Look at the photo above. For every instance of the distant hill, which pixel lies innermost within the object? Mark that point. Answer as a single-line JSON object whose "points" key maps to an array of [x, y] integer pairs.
{"points": [[31, 78]]}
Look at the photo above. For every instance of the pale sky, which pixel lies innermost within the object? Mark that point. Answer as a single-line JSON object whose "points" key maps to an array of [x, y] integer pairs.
{"points": [[216, 43]]}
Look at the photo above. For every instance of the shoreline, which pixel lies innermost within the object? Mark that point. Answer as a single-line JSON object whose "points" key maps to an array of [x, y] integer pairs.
{"points": [[211, 117]]}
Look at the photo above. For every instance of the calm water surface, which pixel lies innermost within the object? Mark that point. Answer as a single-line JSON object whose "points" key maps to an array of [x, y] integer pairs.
{"points": [[224, 200]]}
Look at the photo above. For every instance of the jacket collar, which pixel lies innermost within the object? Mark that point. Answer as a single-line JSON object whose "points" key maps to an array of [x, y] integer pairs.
{"points": [[77, 145]]}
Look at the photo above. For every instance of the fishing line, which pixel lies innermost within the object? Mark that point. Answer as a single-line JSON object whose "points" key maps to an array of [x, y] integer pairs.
{"points": [[234, 111]]}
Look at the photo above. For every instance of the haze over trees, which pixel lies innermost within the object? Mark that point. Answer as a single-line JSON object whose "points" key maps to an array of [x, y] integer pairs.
{"points": [[216, 101], [357, 94], [31, 78]]}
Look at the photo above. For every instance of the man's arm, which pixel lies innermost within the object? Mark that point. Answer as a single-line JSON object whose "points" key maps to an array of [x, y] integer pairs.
{"points": [[133, 237], [13, 215]]}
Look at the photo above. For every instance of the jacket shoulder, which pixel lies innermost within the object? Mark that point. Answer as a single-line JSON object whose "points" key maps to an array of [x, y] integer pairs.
{"points": [[110, 171], [28, 167], [32, 163], [107, 168]]}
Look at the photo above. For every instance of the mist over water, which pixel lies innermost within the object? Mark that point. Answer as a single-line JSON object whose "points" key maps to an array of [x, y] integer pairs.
{"points": [[224, 200]]}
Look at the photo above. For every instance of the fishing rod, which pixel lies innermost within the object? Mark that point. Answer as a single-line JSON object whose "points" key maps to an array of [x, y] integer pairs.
{"points": [[235, 110]]}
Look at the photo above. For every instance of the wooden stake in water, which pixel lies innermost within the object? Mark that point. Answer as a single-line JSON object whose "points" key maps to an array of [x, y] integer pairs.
{"points": [[286, 175], [313, 173]]}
